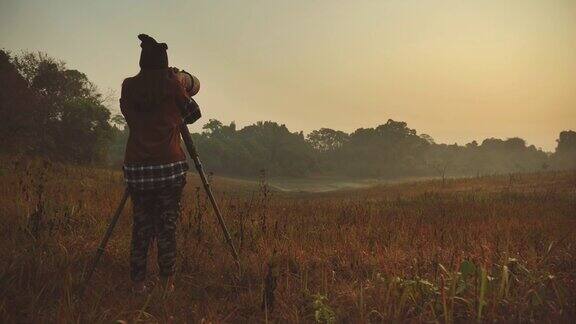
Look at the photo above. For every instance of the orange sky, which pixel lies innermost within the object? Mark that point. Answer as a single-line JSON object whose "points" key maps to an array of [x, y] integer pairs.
{"points": [[456, 70]]}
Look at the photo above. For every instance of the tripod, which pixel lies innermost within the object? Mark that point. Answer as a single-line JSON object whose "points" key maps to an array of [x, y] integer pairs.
{"points": [[194, 155]]}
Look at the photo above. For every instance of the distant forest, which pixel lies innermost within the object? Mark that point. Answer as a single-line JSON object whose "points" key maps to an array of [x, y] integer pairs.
{"points": [[49, 110]]}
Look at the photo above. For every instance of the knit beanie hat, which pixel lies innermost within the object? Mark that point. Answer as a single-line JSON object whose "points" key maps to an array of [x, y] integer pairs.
{"points": [[153, 54]]}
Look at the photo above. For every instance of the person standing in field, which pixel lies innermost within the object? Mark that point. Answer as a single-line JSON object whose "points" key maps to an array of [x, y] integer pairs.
{"points": [[155, 166]]}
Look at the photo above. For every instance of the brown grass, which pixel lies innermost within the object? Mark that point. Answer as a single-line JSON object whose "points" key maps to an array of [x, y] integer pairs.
{"points": [[494, 248]]}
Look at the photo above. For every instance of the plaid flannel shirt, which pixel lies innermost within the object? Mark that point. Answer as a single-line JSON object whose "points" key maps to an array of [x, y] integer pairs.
{"points": [[149, 177]]}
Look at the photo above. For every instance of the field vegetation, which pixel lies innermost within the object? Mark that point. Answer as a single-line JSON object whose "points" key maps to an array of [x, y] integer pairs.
{"points": [[494, 248]]}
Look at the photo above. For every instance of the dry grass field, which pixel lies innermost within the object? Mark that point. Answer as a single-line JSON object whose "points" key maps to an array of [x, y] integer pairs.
{"points": [[499, 248]]}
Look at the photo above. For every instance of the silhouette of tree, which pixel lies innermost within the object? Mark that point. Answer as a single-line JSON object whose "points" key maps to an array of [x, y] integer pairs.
{"points": [[565, 154], [69, 121]]}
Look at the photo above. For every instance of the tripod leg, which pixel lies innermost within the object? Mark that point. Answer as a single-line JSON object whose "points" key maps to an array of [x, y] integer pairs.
{"points": [[218, 213], [104, 241], [194, 155]]}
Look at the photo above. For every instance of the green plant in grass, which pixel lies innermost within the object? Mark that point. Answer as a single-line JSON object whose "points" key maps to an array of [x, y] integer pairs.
{"points": [[322, 311]]}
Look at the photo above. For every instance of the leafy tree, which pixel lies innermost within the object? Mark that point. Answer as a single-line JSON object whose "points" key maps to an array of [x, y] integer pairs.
{"points": [[19, 110], [565, 154], [60, 110], [327, 140]]}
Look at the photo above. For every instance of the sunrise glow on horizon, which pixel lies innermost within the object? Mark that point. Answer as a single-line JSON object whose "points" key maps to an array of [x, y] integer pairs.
{"points": [[456, 70]]}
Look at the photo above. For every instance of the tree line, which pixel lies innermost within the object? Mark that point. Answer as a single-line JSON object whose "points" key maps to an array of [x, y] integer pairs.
{"points": [[49, 110], [389, 150]]}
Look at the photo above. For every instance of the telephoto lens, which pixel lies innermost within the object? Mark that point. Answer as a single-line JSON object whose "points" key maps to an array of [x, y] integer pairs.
{"points": [[190, 82], [192, 85]]}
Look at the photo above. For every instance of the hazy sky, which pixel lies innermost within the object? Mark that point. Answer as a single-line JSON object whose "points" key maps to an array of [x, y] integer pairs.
{"points": [[456, 70]]}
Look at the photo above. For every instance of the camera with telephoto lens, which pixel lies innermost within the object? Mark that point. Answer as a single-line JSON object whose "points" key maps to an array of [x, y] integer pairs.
{"points": [[192, 86]]}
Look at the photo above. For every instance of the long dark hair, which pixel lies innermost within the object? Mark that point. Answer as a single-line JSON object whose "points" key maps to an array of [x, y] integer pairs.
{"points": [[151, 88]]}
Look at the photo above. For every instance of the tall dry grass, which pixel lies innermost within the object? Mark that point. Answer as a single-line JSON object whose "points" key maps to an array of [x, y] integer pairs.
{"points": [[493, 248]]}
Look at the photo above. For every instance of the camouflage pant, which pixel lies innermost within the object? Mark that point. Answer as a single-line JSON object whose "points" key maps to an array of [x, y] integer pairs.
{"points": [[155, 215]]}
